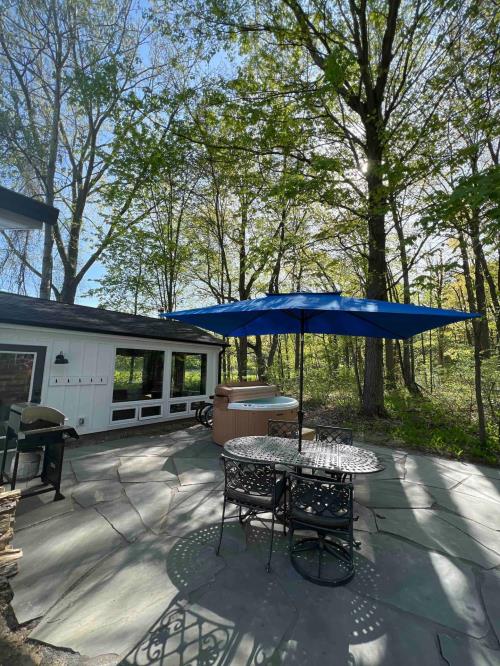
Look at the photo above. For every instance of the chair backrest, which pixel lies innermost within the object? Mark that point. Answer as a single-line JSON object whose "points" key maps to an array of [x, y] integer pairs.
{"points": [[333, 435], [320, 497], [250, 478], [287, 429]]}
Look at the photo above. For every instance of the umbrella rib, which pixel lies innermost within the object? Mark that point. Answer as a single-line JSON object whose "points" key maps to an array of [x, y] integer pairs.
{"points": [[386, 330], [250, 321]]}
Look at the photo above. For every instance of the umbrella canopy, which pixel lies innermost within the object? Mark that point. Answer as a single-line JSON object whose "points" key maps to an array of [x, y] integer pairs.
{"points": [[304, 312], [319, 313]]}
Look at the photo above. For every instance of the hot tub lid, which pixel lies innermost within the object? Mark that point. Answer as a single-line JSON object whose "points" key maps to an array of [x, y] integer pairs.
{"points": [[270, 404]]}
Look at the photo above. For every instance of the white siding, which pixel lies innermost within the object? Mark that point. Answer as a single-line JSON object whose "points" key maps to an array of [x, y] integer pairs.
{"points": [[91, 359]]}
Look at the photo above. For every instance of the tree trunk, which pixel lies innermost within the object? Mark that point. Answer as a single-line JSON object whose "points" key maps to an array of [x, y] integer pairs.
{"points": [[481, 324], [260, 359], [390, 365], [357, 374], [478, 382], [477, 334], [242, 359], [407, 367], [373, 387], [68, 289], [47, 263]]}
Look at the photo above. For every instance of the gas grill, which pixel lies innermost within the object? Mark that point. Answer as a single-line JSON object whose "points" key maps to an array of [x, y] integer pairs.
{"points": [[30, 427]]}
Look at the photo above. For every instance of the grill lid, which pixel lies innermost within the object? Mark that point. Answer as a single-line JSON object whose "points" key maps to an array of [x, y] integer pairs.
{"points": [[31, 416]]}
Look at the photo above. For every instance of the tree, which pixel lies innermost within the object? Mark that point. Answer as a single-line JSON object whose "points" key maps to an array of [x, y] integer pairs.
{"points": [[366, 69], [70, 73]]}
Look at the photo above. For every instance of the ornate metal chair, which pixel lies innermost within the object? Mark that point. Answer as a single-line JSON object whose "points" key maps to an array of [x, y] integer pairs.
{"points": [[255, 486], [334, 435], [287, 429], [325, 507]]}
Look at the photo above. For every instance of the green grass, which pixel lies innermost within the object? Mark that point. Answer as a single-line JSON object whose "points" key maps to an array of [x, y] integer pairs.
{"points": [[426, 425]]}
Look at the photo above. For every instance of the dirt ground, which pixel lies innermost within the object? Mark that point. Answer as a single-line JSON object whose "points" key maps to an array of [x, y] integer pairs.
{"points": [[15, 647]]}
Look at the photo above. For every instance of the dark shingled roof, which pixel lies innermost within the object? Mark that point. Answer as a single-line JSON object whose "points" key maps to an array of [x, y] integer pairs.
{"points": [[19, 203], [28, 311]]}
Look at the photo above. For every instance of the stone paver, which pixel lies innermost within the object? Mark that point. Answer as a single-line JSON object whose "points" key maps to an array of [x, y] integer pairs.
{"points": [[394, 469], [490, 589], [461, 652], [95, 468], [469, 468], [147, 468], [429, 585], [481, 486], [247, 628], [124, 569], [90, 493], [195, 512], [122, 516], [56, 554], [364, 633], [198, 470], [34, 510], [488, 537], [420, 469], [384, 452], [365, 518], [481, 510], [391, 494], [113, 607], [151, 501], [426, 528], [162, 450]]}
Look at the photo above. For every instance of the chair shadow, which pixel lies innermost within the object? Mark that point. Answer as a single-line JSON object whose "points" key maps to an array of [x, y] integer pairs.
{"points": [[205, 626]]}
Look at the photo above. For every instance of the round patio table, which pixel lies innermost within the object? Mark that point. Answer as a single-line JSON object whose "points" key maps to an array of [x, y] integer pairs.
{"points": [[342, 459]]}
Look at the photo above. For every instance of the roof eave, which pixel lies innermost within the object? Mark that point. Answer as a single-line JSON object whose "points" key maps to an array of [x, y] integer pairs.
{"points": [[100, 331]]}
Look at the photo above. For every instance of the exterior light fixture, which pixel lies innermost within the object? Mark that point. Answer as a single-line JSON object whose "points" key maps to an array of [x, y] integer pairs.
{"points": [[60, 359]]}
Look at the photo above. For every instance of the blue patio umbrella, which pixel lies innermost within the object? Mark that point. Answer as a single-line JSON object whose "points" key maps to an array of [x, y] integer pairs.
{"points": [[304, 312]]}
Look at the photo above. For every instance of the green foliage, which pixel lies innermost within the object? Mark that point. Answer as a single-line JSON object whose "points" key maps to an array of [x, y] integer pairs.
{"points": [[434, 425], [340, 65]]}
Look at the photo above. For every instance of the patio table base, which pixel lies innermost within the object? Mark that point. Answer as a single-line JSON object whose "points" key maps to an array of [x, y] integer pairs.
{"points": [[333, 550]]}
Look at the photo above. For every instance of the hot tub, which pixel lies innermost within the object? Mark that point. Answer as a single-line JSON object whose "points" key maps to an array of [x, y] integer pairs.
{"points": [[266, 404], [244, 408]]}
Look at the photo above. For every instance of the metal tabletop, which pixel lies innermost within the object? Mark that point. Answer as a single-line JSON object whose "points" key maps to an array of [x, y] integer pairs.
{"points": [[341, 458]]}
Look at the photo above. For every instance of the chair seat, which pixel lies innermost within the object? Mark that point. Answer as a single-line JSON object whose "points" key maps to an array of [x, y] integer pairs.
{"points": [[314, 520], [261, 501]]}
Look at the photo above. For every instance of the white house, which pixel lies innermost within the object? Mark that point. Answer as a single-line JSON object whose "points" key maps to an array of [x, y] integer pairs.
{"points": [[102, 369], [23, 213]]}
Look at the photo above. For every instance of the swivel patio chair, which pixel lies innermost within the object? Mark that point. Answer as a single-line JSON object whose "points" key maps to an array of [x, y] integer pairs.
{"points": [[334, 435], [258, 487], [326, 507]]}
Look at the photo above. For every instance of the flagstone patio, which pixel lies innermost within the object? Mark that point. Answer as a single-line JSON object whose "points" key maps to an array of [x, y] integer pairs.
{"points": [[124, 568]]}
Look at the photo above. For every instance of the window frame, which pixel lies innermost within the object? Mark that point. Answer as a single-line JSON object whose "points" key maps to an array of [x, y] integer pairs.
{"points": [[204, 375], [139, 401]]}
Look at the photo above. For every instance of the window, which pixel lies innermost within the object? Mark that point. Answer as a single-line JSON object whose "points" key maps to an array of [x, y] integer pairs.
{"points": [[189, 374], [150, 412], [123, 414], [138, 375], [178, 407], [21, 377]]}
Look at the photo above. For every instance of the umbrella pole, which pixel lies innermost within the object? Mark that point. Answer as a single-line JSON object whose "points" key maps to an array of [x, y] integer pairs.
{"points": [[301, 380]]}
